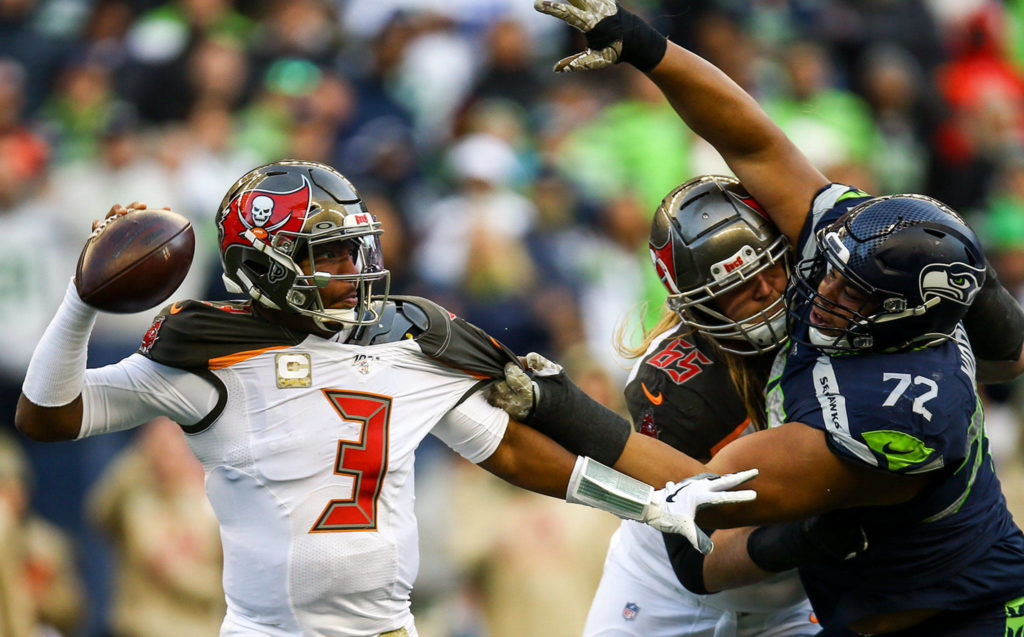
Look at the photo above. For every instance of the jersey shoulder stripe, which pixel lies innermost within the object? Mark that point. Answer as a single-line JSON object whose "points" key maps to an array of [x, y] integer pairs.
{"points": [[206, 334]]}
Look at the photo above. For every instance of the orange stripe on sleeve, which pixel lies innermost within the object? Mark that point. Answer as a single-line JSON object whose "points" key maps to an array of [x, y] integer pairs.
{"points": [[733, 435], [231, 359]]}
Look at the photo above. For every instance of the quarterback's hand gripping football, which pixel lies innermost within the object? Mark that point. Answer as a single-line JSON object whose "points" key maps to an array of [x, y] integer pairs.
{"points": [[613, 35], [674, 508], [517, 393]]}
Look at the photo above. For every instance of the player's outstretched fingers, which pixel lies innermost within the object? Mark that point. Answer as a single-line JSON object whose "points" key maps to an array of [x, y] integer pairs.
{"points": [[568, 14], [721, 486]]}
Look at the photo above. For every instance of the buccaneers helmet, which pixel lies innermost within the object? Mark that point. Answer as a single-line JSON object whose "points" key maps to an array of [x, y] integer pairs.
{"points": [[278, 215], [709, 237], [917, 263]]}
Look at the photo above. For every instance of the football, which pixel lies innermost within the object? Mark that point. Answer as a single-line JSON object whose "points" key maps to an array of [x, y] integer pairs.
{"points": [[134, 261]]}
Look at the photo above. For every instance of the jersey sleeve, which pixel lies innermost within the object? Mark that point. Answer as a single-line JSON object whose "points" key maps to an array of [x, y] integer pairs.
{"points": [[473, 429], [457, 343], [194, 334], [901, 420], [829, 204], [136, 390]]}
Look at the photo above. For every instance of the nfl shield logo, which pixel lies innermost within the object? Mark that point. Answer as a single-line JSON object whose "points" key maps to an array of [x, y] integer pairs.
{"points": [[630, 612]]}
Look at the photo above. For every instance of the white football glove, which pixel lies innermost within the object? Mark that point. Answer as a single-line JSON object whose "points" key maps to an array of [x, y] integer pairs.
{"points": [[674, 508], [584, 16], [517, 393]]}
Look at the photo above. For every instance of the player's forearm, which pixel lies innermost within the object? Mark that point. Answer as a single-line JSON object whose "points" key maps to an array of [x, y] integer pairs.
{"points": [[729, 566], [770, 166], [654, 462], [714, 106], [528, 459], [50, 407]]}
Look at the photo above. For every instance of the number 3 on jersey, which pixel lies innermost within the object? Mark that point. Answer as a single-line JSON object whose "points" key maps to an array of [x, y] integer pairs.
{"points": [[364, 459]]}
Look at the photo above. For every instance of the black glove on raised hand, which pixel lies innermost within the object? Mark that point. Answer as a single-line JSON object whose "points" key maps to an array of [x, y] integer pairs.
{"points": [[613, 35]]}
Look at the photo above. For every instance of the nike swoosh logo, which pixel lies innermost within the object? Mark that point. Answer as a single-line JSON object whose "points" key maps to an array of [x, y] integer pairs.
{"points": [[176, 308], [657, 400], [887, 449]]}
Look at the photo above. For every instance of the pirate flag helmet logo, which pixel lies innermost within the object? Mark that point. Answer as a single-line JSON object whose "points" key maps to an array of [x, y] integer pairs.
{"points": [[276, 216], [265, 212]]}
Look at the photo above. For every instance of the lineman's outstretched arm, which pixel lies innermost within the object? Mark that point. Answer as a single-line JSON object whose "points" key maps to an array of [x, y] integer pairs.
{"points": [[765, 161], [529, 459], [799, 475], [770, 167]]}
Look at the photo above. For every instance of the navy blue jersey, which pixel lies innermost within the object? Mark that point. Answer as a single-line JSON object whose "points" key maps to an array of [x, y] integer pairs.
{"points": [[954, 546]]}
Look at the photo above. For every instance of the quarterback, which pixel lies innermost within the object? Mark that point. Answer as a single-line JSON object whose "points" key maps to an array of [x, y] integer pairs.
{"points": [[306, 403]]}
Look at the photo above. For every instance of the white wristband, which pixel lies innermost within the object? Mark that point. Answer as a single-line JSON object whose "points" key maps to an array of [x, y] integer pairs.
{"points": [[56, 372], [604, 488]]}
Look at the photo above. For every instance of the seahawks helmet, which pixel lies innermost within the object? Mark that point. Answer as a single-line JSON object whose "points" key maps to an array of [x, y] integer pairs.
{"points": [[710, 237], [917, 263], [277, 215]]}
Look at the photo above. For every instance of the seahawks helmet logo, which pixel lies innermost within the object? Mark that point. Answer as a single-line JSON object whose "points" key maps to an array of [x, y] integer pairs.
{"points": [[957, 282]]}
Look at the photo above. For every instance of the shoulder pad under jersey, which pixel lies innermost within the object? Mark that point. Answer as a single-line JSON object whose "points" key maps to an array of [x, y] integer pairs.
{"points": [[400, 319], [196, 334], [441, 335]]}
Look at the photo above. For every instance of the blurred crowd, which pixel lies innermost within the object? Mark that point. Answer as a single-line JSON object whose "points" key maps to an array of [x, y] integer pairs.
{"points": [[516, 198]]}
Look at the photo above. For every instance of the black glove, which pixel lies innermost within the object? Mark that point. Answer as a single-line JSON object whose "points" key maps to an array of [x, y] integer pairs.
{"points": [[613, 35], [829, 537]]}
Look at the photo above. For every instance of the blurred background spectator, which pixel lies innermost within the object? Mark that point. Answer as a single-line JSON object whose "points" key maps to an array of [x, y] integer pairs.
{"points": [[518, 199], [151, 504], [40, 593]]}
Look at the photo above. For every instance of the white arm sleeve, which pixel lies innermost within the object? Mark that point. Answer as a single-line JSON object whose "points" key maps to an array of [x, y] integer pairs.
{"points": [[136, 390], [474, 429], [54, 376]]}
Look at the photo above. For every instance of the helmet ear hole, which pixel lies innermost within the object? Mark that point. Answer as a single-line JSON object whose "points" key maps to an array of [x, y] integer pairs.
{"points": [[257, 267]]}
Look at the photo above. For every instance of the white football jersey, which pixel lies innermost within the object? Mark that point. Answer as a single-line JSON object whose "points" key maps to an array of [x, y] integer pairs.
{"points": [[309, 457]]}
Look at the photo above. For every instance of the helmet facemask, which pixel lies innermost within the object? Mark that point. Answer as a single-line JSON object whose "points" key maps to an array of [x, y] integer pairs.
{"points": [[710, 239], [756, 333], [803, 293], [327, 231]]}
